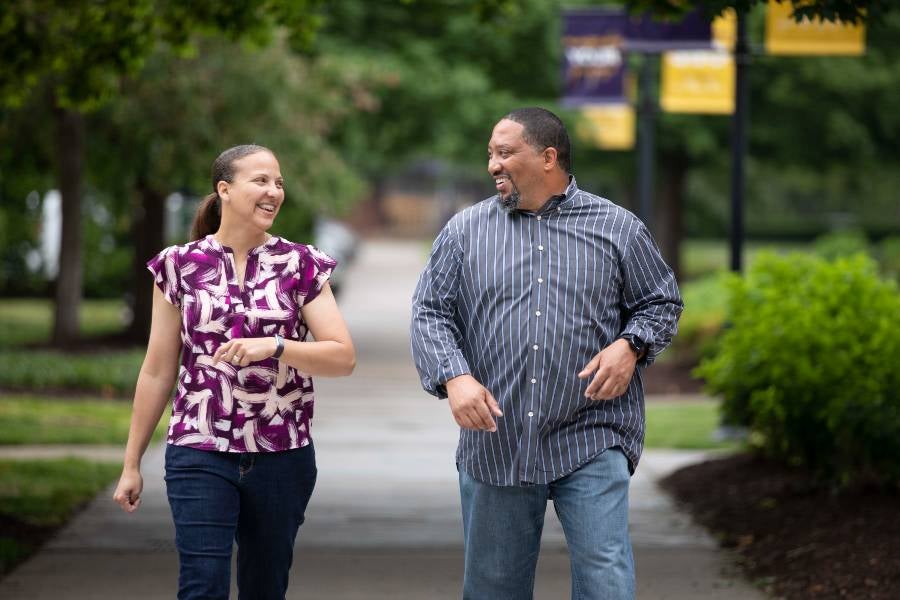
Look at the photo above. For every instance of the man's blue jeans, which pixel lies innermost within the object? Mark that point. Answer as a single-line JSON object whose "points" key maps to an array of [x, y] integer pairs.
{"points": [[502, 528], [255, 499]]}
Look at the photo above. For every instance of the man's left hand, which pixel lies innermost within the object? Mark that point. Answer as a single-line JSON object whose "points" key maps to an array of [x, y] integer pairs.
{"points": [[612, 369]]}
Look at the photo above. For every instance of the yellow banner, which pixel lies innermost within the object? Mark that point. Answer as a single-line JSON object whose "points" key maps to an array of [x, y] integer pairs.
{"points": [[785, 36], [724, 30], [699, 82], [607, 126]]}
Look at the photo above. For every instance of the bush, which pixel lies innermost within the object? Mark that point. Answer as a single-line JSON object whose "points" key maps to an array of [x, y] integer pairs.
{"points": [[701, 322], [889, 256], [810, 364]]}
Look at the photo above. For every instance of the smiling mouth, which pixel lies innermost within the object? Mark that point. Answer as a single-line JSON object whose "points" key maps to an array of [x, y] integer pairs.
{"points": [[267, 207], [500, 181]]}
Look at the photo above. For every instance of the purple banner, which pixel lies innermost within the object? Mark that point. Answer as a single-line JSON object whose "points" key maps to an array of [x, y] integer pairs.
{"points": [[646, 34], [593, 56]]}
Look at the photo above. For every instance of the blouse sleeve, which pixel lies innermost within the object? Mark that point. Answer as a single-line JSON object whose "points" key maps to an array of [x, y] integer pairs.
{"points": [[315, 269], [166, 276]]}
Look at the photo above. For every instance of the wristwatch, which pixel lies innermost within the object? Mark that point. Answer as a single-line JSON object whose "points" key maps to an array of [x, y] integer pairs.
{"points": [[638, 346], [279, 346]]}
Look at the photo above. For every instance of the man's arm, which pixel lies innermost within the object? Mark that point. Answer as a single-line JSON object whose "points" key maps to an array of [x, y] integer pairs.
{"points": [[436, 339], [434, 334], [650, 298], [651, 305]]}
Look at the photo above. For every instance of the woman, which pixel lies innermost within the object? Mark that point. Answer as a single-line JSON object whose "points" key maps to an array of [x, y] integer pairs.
{"points": [[237, 303]]}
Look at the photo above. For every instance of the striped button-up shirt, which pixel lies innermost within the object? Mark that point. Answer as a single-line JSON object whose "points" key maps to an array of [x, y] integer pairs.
{"points": [[522, 301]]}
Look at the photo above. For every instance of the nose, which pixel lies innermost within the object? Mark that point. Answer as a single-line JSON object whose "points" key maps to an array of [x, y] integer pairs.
{"points": [[494, 167]]}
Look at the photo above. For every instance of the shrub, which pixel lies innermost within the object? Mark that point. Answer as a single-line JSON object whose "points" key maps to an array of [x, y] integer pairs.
{"points": [[810, 363], [889, 256]]}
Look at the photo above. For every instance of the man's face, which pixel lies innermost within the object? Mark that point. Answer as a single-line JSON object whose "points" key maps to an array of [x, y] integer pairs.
{"points": [[512, 162]]}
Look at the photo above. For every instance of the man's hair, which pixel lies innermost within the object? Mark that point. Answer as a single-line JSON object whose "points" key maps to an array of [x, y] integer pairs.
{"points": [[543, 129]]}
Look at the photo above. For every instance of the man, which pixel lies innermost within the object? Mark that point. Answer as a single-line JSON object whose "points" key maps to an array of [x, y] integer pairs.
{"points": [[531, 315]]}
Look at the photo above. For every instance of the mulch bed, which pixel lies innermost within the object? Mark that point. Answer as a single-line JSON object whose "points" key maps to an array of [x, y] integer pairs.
{"points": [[795, 538]]}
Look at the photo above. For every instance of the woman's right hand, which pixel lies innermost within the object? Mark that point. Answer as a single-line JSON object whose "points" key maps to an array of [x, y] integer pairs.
{"points": [[128, 492]]}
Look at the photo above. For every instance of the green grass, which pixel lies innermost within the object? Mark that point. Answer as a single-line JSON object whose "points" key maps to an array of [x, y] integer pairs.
{"points": [[28, 419], [38, 495], [683, 425], [704, 257], [30, 320], [107, 374], [46, 492]]}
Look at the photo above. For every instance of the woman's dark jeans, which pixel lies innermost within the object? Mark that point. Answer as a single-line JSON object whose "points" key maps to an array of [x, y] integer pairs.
{"points": [[256, 499]]}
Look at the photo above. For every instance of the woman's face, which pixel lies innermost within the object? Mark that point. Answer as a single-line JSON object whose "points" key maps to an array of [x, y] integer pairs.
{"points": [[256, 192]]}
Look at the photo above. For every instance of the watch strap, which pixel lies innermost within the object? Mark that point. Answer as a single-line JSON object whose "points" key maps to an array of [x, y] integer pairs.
{"points": [[279, 346]]}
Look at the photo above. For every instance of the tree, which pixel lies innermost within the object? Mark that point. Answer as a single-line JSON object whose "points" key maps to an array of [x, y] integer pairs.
{"points": [[79, 51], [851, 11]]}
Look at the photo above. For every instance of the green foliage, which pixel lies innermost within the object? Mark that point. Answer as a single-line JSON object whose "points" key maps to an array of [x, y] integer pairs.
{"points": [[840, 244], [809, 362], [48, 492], [109, 374], [703, 318], [83, 48], [888, 254], [686, 425], [852, 11], [41, 420]]}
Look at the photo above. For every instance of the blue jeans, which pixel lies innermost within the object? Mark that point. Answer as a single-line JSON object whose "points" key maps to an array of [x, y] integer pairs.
{"points": [[502, 528], [256, 499]]}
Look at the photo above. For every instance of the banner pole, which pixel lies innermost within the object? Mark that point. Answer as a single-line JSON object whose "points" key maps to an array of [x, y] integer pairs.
{"points": [[739, 123], [646, 141]]}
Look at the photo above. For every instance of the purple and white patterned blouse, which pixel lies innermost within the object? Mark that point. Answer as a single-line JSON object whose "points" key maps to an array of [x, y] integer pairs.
{"points": [[263, 407]]}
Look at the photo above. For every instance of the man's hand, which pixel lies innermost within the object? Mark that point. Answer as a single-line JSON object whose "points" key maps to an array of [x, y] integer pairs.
{"points": [[612, 369], [472, 404]]}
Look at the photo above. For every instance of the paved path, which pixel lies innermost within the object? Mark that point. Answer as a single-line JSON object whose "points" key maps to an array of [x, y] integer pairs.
{"points": [[384, 522]]}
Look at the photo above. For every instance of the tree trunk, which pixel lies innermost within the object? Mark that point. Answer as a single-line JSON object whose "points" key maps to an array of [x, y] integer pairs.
{"points": [[669, 212], [148, 233], [70, 149]]}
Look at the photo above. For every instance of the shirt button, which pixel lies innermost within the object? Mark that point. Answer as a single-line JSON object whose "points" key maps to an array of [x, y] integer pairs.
{"points": [[541, 248], [534, 380], [539, 218], [540, 280], [535, 347], [558, 210], [530, 414], [537, 312]]}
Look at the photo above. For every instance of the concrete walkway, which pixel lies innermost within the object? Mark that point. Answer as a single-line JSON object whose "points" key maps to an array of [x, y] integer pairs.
{"points": [[384, 522]]}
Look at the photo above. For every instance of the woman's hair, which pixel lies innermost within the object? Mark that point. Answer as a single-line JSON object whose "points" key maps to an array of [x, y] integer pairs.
{"points": [[209, 213]]}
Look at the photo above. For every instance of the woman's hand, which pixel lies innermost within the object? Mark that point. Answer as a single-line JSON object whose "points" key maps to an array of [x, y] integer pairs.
{"points": [[128, 492], [241, 352]]}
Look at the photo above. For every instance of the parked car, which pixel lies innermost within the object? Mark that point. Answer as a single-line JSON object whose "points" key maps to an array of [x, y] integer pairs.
{"points": [[338, 241]]}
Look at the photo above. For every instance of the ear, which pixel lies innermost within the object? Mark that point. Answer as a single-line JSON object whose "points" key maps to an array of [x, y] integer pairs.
{"points": [[549, 156], [222, 189]]}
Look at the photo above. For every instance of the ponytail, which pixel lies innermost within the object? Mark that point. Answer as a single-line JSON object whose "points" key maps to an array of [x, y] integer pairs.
{"points": [[208, 217]]}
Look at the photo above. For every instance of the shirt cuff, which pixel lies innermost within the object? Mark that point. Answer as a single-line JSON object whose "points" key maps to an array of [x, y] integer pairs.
{"points": [[452, 366], [647, 336]]}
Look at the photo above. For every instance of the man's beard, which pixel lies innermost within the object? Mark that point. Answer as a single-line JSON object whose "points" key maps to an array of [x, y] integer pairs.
{"points": [[511, 202]]}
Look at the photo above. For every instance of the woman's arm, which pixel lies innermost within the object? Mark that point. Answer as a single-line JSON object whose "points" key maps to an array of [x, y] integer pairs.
{"points": [[331, 354], [154, 385]]}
